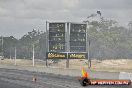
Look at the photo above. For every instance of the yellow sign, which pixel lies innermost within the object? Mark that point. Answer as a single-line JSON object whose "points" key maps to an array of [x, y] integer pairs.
{"points": [[79, 56], [53, 55]]}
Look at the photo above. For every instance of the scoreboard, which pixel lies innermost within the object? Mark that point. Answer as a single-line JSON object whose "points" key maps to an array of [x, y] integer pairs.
{"points": [[67, 40], [77, 37], [56, 37]]}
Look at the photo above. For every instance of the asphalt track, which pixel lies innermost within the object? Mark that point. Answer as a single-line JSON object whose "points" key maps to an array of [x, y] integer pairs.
{"points": [[10, 78], [4, 84]]}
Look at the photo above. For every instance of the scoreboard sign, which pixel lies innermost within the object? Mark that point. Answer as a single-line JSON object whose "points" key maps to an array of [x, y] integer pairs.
{"points": [[56, 37], [56, 55], [77, 55], [78, 37], [59, 55]]}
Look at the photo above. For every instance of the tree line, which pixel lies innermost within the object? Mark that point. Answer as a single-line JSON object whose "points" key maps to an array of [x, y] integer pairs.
{"points": [[24, 45], [108, 40]]}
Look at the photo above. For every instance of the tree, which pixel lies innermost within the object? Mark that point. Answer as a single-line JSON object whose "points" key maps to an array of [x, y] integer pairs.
{"points": [[109, 40]]}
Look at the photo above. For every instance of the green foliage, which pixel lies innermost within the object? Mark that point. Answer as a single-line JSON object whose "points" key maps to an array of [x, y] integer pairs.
{"points": [[24, 45], [109, 40]]}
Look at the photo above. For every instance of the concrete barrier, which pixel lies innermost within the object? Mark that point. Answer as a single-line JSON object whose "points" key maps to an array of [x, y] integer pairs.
{"points": [[125, 75]]}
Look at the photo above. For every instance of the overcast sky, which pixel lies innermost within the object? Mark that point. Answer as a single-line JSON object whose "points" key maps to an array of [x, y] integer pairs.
{"points": [[17, 17]]}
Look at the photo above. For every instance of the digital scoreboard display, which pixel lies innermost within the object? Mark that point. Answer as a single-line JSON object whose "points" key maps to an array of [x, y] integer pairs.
{"points": [[78, 37], [56, 37], [67, 41]]}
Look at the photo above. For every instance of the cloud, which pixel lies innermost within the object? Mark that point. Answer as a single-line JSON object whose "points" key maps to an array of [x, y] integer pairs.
{"points": [[20, 16], [105, 4], [70, 3]]}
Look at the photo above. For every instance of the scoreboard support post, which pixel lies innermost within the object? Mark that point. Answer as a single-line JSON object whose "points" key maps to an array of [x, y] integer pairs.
{"points": [[46, 63], [67, 27], [46, 42], [67, 61]]}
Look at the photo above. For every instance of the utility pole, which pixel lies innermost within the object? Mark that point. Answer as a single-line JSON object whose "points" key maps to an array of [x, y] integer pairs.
{"points": [[88, 37], [88, 48], [46, 42], [33, 55], [2, 48], [89, 61], [15, 55], [10, 53]]}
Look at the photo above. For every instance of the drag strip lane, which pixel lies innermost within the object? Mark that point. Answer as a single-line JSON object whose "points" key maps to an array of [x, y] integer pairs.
{"points": [[44, 80]]}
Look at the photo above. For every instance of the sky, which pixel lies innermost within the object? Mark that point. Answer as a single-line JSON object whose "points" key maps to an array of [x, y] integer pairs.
{"points": [[17, 17]]}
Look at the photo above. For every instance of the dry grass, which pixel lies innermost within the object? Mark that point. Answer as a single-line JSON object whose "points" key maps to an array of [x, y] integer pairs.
{"points": [[104, 65], [21, 62], [113, 65]]}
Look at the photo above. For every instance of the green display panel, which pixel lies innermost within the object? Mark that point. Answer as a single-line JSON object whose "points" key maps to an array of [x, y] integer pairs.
{"points": [[78, 37], [56, 37]]}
